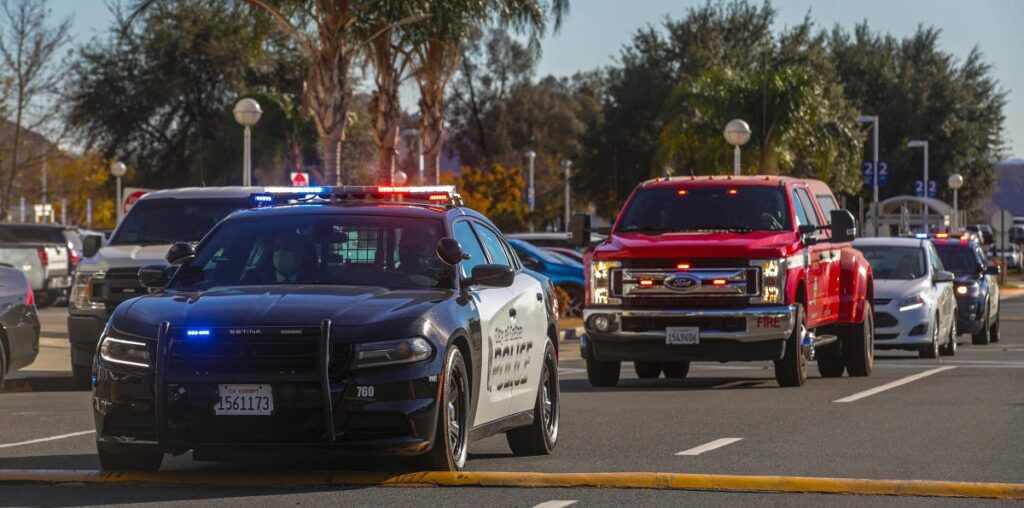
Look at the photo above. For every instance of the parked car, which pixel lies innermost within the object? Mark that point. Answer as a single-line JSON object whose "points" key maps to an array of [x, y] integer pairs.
{"points": [[727, 269], [984, 232], [1010, 255], [572, 254], [41, 252], [349, 326], [914, 305], [19, 342], [566, 275], [553, 239], [976, 287]]}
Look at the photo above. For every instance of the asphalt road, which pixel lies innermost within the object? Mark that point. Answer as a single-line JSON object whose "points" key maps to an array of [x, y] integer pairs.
{"points": [[959, 419]]}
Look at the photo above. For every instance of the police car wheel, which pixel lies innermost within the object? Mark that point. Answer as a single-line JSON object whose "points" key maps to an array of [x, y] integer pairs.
{"points": [[993, 333], [125, 460], [982, 338], [647, 370], [540, 437], [791, 369], [3, 364], [451, 438]]}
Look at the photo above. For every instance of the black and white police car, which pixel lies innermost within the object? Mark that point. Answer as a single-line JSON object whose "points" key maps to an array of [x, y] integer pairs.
{"points": [[357, 320]]}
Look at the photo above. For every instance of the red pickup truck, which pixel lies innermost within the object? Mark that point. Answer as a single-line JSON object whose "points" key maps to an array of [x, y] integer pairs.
{"points": [[727, 269]]}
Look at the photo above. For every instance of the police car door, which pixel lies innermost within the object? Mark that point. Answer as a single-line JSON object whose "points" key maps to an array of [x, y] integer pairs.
{"points": [[521, 357], [493, 305]]}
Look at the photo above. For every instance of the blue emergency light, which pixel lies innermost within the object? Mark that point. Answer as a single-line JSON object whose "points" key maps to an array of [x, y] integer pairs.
{"points": [[198, 332]]}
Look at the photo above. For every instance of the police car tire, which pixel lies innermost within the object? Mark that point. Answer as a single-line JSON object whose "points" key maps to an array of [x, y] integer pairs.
{"points": [[791, 370], [3, 364], [603, 374], [442, 455], [123, 460], [540, 438], [858, 343], [676, 370], [993, 335], [647, 370], [983, 337]]}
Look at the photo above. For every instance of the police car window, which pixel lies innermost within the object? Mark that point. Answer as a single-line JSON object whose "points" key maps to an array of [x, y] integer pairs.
{"points": [[396, 253], [493, 245], [158, 221], [470, 245]]}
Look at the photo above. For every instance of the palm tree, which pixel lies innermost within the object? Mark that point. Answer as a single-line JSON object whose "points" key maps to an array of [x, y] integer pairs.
{"points": [[437, 49]]}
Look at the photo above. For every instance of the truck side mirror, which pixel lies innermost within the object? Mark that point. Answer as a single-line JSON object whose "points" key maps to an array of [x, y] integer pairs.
{"points": [[579, 230], [91, 244], [180, 252], [844, 226]]}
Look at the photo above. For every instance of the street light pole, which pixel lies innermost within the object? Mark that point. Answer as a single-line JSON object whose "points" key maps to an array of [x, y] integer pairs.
{"points": [[118, 169], [736, 133], [530, 191], [873, 120], [247, 112], [566, 164], [955, 181], [917, 143], [419, 145]]}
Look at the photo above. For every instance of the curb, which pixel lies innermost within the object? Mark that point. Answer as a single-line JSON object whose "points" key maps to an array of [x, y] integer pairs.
{"points": [[570, 334], [39, 384], [667, 481]]}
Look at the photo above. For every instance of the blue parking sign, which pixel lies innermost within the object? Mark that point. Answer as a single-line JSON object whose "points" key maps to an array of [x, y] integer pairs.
{"points": [[869, 177], [933, 188]]}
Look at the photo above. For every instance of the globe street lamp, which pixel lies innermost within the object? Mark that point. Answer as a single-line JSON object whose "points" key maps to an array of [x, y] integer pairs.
{"points": [[400, 178], [917, 143], [956, 181], [247, 112], [737, 133], [566, 164], [530, 190], [873, 120], [118, 169]]}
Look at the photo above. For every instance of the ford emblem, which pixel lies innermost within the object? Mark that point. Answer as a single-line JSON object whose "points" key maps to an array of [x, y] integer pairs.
{"points": [[683, 283]]}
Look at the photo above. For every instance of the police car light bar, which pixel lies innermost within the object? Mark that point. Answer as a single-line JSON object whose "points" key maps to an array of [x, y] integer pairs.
{"points": [[433, 194]]}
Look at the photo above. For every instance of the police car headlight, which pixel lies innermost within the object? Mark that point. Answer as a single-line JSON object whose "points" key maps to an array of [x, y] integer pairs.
{"points": [[125, 352], [971, 289], [392, 352]]}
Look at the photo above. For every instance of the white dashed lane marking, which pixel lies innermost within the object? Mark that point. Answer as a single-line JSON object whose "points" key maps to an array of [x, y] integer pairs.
{"points": [[50, 438], [556, 503], [714, 445], [888, 386]]}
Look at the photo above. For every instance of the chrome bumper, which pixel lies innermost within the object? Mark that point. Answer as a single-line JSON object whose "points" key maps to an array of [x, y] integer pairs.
{"points": [[762, 323]]}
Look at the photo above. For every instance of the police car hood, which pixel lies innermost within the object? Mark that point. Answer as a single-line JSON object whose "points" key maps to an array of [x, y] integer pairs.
{"points": [[278, 305]]}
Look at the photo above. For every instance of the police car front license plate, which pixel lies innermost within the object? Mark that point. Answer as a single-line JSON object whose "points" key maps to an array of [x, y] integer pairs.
{"points": [[682, 335], [244, 400]]}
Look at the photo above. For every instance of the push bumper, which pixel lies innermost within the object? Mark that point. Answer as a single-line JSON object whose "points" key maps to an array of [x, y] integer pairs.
{"points": [[970, 316], [750, 334]]}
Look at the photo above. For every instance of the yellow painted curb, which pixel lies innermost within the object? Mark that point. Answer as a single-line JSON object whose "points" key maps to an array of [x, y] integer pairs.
{"points": [[669, 481]]}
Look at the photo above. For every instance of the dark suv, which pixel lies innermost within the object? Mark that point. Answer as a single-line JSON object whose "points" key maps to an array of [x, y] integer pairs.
{"points": [[977, 292]]}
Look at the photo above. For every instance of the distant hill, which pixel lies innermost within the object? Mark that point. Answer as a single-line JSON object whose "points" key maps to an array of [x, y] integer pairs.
{"points": [[1009, 188]]}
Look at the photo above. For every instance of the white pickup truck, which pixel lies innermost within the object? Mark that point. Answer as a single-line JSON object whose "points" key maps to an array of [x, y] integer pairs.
{"points": [[41, 252]]}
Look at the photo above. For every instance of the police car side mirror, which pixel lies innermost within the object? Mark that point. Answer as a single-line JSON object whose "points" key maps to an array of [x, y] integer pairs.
{"points": [[154, 276], [495, 276], [91, 245], [449, 250], [992, 270], [180, 253]]}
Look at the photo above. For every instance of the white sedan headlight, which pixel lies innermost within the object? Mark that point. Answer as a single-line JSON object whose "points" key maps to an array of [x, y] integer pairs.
{"points": [[125, 352], [911, 302]]}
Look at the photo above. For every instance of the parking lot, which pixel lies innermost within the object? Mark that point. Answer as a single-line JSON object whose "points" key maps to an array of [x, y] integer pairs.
{"points": [[952, 419]]}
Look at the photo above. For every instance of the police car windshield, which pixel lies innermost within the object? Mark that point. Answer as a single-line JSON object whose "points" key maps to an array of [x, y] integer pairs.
{"points": [[960, 259], [895, 263], [671, 209], [169, 220], [390, 252]]}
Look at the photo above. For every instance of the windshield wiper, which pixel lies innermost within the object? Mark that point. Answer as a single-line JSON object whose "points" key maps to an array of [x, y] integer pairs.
{"points": [[728, 227], [647, 229]]}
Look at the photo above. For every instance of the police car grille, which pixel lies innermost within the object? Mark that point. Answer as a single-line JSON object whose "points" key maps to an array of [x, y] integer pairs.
{"points": [[659, 323], [253, 356]]}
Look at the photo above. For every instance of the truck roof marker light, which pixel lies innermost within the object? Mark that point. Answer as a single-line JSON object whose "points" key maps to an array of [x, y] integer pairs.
{"points": [[682, 266], [646, 282], [198, 332], [682, 192], [733, 192], [719, 282], [767, 178]]}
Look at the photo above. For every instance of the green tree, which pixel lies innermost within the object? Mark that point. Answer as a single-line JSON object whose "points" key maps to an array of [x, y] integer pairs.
{"points": [[496, 192]]}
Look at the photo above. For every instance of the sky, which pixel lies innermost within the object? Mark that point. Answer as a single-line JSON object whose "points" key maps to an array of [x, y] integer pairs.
{"points": [[596, 30]]}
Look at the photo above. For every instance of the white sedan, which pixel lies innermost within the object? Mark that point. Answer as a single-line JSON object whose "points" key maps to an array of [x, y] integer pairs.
{"points": [[915, 308]]}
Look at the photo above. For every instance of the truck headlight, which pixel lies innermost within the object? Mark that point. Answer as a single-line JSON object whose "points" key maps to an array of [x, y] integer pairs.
{"points": [[392, 352], [601, 282], [773, 280], [124, 352], [911, 302], [82, 291]]}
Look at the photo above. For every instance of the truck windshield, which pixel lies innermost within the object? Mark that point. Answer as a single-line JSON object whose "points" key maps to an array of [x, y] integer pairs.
{"points": [[672, 209], [396, 253], [895, 263], [158, 221]]}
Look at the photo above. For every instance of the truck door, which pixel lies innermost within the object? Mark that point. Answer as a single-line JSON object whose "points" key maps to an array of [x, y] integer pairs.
{"points": [[493, 307], [819, 257]]}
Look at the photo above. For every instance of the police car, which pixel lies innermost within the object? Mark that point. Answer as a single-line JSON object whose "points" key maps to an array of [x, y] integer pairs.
{"points": [[359, 320]]}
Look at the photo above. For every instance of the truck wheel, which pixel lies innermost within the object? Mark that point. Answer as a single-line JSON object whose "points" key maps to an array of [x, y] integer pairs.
{"points": [[949, 349], [791, 370], [540, 437], [830, 360], [858, 342], [647, 370], [82, 376], [993, 334], [122, 460], [982, 337], [603, 373], [451, 438], [932, 350], [675, 370]]}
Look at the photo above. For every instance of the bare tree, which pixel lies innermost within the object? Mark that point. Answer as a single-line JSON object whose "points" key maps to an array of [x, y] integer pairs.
{"points": [[29, 47]]}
